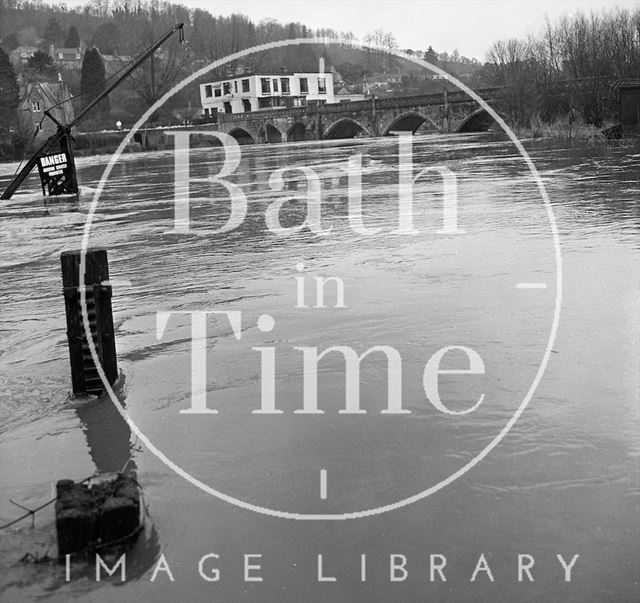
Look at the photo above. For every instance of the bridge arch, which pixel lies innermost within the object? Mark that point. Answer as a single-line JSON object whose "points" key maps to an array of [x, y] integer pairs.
{"points": [[269, 133], [297, 132], [242, 136], [478, 121], [406, 122], [345, 127]]}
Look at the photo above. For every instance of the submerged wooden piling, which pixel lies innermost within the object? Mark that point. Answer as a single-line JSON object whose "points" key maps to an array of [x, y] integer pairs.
{"points": [[106, 511], [84, 375]]}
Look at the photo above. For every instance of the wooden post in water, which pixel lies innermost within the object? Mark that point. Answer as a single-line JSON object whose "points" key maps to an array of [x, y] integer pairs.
{"points": [[446, 126], [84, 375]]}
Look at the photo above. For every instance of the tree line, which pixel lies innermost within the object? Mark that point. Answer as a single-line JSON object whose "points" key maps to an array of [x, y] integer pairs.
{"points": [[126, 27], [569, 65], [548, 74]]}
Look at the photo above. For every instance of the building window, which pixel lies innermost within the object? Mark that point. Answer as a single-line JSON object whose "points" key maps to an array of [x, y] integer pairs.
{"points": [[235, 86], [206, 110], [226, 88], [304, 85], [208, 91], [275, 85], [284, 85], [265, 83], [246, 105], [35, 107], [227, 108], [245, 86], [264, 103], [217, 92], [322, 85]]}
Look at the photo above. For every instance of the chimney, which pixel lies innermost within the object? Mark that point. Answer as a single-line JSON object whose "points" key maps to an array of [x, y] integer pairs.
{"points": [[321, 65]]}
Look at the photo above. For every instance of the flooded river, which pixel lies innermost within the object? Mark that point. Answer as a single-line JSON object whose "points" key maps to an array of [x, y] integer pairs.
{"points": [[447, 497]]}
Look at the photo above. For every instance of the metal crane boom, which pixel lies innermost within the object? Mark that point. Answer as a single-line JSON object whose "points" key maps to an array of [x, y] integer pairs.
{"points": [[134, 65]]}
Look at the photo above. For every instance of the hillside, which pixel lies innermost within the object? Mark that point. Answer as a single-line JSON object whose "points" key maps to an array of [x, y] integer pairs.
{"points": [[123, 30]]}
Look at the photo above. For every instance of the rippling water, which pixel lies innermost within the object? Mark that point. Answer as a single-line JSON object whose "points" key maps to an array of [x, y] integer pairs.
{"points": [[564, 480]]}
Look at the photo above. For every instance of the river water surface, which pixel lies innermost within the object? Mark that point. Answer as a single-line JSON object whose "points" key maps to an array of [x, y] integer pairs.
{"points": [[564, 480]]}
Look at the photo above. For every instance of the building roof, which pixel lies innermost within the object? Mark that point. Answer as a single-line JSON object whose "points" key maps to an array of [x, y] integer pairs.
{"points": [[628, 83], [271, 74], [384, 78], [73, 52], [27, 49], [52, 94], [125, 58]]}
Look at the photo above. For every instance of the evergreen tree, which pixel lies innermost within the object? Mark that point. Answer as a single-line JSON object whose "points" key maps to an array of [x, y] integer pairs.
{"points": [[92, 83], [10, 42], [9, 92], [73, 38], [40, 62], [431, 55], [53, 33]]}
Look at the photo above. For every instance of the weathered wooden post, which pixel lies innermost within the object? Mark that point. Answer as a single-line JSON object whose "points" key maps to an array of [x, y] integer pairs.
{"points": [[104, 512], [84, 375], [446, 126]]}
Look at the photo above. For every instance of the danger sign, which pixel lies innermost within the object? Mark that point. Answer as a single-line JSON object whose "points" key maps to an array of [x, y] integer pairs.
{"points": [[53, 165]]}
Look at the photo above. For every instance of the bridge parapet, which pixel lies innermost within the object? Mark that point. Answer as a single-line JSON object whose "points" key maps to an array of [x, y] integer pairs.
{"points": [[263, 114]]}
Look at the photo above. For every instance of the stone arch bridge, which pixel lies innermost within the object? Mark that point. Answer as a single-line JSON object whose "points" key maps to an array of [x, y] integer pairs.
{"points": [[442, 112]]}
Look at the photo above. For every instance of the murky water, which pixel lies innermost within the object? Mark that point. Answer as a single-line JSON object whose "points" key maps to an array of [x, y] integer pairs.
{"points": [[565, 480]]}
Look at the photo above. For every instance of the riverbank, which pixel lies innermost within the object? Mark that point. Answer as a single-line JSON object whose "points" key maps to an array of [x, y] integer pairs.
{"points": [[565, 128], [157, 139], [107, 141]]}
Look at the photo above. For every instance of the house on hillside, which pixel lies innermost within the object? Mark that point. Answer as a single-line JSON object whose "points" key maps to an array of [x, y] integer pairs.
{"points": [[38, 97], [385, 79], [346, 94], [67, 58], [114, 63], [21, 54], [381, 84]]}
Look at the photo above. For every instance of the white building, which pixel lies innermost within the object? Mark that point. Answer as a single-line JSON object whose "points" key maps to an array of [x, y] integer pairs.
{"points": [[246, 93]]}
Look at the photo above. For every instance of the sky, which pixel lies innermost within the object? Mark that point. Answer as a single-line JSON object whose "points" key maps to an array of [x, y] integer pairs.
{"points": [[471, 26]]}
